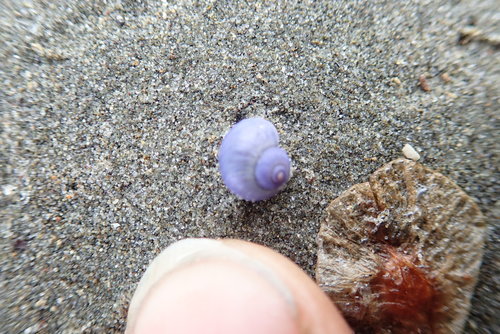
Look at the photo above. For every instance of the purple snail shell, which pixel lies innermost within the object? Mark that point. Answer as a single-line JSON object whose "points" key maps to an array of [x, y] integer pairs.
{"points": [[252, 165]]}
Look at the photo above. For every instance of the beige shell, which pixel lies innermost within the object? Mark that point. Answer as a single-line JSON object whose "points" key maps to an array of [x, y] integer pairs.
{"points": [[401, 253]]}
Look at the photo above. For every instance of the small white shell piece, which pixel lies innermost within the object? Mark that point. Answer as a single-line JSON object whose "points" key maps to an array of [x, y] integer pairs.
{"points": [[410, 153]]}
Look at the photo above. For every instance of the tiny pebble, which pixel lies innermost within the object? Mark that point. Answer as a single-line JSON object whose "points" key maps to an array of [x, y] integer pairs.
{"points": [[422, 82], [41, 302], [446, 77], [8, 189], [410, 153], [396, 81]]}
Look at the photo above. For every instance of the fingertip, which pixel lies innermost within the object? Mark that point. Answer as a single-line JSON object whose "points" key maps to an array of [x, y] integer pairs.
{"points": [[215, 296]]}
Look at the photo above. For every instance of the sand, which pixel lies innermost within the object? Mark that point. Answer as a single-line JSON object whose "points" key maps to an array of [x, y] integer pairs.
{"points": [[112, 114]]}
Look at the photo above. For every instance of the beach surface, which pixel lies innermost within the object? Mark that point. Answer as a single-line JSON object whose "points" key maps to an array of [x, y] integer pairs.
{"points": [[112, 112]]}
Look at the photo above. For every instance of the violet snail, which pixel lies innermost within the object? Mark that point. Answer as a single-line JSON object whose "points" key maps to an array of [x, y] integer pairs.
{"points": [[252, 165]]}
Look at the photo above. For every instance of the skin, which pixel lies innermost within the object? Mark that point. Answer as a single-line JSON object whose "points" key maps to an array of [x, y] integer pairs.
{"points": [[221, 295]]}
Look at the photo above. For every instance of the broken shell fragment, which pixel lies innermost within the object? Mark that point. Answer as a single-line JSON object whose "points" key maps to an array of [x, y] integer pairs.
{"points": [[401, 253], [410, 153]]}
